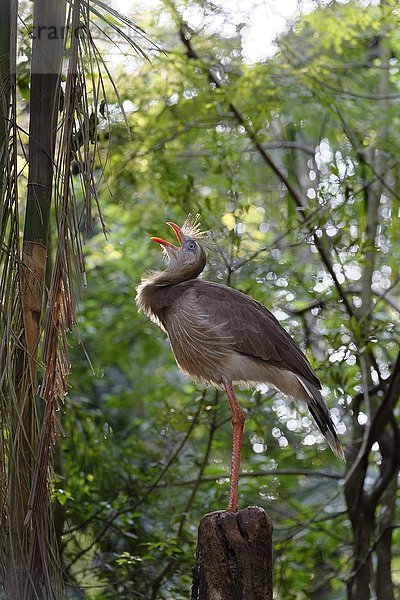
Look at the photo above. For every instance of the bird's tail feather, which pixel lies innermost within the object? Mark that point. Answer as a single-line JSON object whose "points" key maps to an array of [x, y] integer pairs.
{"points": [[319, 411]]}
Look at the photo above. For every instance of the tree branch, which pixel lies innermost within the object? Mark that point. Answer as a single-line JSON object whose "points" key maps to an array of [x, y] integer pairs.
{"points": [[196, 484], [278, 169]]}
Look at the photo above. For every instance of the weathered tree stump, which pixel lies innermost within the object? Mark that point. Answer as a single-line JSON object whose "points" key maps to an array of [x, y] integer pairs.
{"points": [[234, 556]]}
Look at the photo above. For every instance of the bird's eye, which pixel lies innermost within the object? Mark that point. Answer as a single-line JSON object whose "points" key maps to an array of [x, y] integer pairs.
{"points": [[192, 246]]}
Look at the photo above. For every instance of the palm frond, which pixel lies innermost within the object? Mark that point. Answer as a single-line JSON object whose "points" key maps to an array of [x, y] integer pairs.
{"points": [[29, 428], [10, 258]]}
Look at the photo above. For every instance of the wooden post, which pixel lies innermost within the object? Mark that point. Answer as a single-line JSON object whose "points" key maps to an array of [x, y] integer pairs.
{"points": [[234, 556]]}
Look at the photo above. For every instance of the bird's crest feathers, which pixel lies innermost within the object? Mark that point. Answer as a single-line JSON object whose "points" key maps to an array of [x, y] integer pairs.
{"points": [[192, 228]]}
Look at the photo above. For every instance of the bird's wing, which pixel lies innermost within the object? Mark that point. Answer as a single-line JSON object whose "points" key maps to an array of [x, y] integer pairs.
{"points": [[255, 330]]}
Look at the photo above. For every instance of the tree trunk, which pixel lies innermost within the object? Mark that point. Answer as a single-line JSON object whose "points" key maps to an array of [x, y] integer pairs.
{"points": [[386, 519], [23, 579], [234, 556], [359, 585]]}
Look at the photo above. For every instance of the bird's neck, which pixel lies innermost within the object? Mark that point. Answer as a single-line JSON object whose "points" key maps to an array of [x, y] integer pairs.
{"points": [[168, 277], [174, 273]]}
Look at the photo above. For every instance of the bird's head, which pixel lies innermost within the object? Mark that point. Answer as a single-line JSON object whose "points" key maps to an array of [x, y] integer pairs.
{"points": [[188, 258]]}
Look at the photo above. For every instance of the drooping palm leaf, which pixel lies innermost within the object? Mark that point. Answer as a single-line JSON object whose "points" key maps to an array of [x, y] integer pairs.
{"points": [[30, 564], [10, 307]]}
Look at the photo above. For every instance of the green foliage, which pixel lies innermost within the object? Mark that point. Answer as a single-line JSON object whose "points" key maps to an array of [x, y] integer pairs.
{"points": [[146, 452]]}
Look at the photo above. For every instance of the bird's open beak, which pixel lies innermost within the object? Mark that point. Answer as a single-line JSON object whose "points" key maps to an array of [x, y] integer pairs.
{"points": [[178, 233]]}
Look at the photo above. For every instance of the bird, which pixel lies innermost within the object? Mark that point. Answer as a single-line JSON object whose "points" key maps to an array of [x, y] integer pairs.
{"points": [[223, 337]]}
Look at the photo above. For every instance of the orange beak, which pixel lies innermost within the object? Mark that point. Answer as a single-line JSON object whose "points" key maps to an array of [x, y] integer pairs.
{"points": [[178, 233]]}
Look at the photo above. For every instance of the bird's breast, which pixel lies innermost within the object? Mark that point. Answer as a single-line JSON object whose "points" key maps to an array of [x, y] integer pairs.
{"points": [[200, 346]]}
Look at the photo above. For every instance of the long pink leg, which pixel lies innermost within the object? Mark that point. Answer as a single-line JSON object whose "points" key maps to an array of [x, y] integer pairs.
{"points": [[237, 426]]}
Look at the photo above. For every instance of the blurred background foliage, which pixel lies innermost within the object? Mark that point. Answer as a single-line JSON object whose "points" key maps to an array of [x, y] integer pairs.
{"points": [[145, 452]]}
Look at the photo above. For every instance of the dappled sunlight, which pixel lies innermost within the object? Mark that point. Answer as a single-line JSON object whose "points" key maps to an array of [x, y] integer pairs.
{"points": [[278, 123]]}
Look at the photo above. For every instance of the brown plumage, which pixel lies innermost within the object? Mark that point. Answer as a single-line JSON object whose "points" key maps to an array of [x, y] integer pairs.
{"points": [[221, 336]]}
